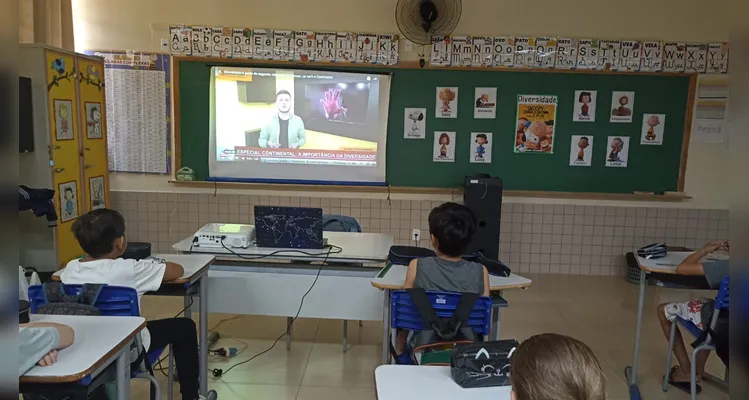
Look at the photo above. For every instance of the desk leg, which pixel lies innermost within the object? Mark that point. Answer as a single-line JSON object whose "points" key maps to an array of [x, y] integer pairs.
{"points": [[496, 317], [289, 325], [203, 333], [345, 335], [633, 371], [122, 369], [386, 327], [188, 312]]}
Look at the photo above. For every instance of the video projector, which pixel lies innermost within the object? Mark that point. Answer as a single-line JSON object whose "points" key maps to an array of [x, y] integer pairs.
{"points": [[225, 235]]}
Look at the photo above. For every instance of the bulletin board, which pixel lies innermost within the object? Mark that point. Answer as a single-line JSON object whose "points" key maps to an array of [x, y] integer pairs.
{"points": [[410, 161]]}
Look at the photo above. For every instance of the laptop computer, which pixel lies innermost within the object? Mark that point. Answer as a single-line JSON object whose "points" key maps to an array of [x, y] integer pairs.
{"points": [[288, 227]]}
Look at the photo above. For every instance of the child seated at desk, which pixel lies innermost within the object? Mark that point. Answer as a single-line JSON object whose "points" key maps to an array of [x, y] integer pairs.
{"points": [[552, 366], [451, 228], [38, 343], [697, 311], [101, 234]]}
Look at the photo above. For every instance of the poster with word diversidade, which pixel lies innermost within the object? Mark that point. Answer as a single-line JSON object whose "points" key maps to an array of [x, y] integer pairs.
{"points": [[480, 149], [717, 58], [622, 106], [674, 57], [695, 58], [536, 115], [485, 106], [504, 51], [585, 106], [446, 102], [653, 126], [414, 123], [652, 57], [617, 151], [581, 151], [444, 147], [566, 53], [304, 46]]}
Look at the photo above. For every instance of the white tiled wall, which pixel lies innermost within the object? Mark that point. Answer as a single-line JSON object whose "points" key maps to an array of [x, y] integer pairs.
{"points": [[539, 238]]}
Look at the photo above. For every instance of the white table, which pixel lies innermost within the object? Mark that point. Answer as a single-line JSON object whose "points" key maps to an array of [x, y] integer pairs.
{"points": [[196, 268], [408, 382], [393, 277], [269, 281], [99, 341], [665, 265]]}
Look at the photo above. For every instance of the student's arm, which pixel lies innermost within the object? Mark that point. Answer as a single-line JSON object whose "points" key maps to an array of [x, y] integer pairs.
{"points": [[173, 271], [410, 274], [486, 282], [692, 265], [66, 333]]}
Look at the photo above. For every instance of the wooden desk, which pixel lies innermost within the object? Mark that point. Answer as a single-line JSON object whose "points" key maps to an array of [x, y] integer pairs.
{"points": [[392, 277], [407, 382], [99, 341]]}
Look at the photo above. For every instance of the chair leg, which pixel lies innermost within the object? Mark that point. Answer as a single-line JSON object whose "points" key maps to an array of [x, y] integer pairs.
{"points": [[345, 335], [170, 372], [361, 324], [288, 332], [154, 382], [669, 356], [693, 374]]}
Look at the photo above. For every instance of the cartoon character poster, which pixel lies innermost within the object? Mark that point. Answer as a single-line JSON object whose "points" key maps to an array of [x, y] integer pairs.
{"points": [[617, 151], [585, 106], [581, 150], [93, 120], [447, 102], [485, 106], [414, 123], [63, 119], [534, 131], [96, 191], [622, 106], [444, 146], [481, 148], [653, 126], [68, 193]]}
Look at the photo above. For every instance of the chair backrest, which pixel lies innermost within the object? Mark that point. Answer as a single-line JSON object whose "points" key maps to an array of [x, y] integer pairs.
{"points": [[722, 299], [113, 300], [340, 223], [404, 315]]}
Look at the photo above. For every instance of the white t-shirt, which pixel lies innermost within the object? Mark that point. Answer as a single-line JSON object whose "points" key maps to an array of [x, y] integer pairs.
{"points": [[142, 275]]}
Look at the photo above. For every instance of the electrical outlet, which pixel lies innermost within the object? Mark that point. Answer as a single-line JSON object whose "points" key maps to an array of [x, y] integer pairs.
{"points": [[416, 234]]}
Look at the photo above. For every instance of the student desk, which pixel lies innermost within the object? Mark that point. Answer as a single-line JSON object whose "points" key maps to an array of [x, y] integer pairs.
{"points": [[405, 382], [189, 286], [665, 266], [392, 277], [99, 342], [269, 281]]}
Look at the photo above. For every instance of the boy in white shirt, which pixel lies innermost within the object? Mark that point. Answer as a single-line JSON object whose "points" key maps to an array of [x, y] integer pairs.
{"points": [[101, 234]]}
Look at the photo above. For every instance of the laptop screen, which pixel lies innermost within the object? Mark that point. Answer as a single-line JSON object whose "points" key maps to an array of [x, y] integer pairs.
{"points": [[288, 227]]}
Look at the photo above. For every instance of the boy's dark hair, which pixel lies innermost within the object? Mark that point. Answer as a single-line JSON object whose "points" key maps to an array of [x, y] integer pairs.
{"points": [[453, 225], [97, 230], [283, 91]]}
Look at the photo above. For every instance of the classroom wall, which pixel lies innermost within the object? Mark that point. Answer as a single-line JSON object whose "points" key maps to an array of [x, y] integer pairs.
{"points": [[161, 213]]}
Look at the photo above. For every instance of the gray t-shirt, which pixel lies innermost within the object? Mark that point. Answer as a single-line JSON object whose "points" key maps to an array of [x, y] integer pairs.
{"points": [[434, 273], [715, 271], [35, 343]]}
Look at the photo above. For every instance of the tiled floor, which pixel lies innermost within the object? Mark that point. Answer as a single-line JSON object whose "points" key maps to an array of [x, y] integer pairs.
{"points": [[598, 310]]}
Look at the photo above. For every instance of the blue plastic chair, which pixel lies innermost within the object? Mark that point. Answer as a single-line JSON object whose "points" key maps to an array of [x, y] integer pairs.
{"points": [[405, 315], [115, 301], [721, 303]]}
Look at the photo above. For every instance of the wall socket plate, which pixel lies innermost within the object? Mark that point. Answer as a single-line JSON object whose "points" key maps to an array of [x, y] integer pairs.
{"points": [[416, 234]]}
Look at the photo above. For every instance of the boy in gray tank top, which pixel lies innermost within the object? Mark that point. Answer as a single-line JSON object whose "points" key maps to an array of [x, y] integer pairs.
{"points": [[451, 228]]}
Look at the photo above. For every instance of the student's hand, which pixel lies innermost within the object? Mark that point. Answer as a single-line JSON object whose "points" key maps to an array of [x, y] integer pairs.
{"points": [[49, 359], [714, 245], [293, 146]]}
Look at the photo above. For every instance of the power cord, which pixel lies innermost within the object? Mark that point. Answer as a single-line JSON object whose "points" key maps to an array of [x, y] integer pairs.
{"points": [[217, 372], [326, 254]]}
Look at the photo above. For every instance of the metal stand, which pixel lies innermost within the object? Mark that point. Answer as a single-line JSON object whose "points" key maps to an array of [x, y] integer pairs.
{"points": [[631, 372], [386, 327], [345, 335], [123, 375]]}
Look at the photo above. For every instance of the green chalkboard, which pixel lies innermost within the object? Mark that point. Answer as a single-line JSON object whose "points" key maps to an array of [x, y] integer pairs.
{"points": [[409, 161]]}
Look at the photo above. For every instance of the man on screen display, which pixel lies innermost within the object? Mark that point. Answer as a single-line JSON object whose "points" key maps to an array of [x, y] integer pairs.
{"points": [[285, 130]]}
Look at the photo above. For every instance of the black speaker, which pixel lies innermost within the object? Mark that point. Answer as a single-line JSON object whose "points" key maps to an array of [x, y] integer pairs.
{"points": [[483, 195]]}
